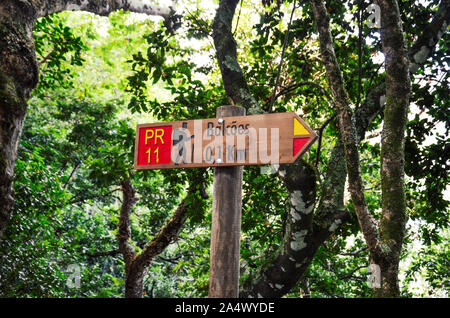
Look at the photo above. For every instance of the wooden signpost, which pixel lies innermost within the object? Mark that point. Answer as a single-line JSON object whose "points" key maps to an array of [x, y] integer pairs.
{"points": [[232, 141], [227, 143], [226, 224]]}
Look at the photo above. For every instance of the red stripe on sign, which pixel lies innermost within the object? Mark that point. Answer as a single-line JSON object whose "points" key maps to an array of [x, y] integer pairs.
{"points": [[299, 143], [155, 144]]}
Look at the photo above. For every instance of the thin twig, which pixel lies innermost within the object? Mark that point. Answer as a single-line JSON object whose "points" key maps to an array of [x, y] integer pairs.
{"points": [[354, 253], [75, 168], [201, 28], [291, 88], [107, 253], [171, 260], [44, 60], [321, 129], [350, 275], [237, 21], [92, 197], [358, 101]]}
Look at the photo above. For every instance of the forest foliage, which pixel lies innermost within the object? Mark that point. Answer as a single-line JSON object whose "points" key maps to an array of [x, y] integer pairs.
{"points": [[101, 76]]}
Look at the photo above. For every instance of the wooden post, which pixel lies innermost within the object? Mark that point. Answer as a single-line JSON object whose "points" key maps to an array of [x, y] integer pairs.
{"points": [[226, 224]]}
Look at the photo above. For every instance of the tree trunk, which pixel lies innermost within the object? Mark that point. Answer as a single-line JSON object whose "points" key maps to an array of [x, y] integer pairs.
{"points": [[393, 204], [18, 76], [134, 279], [388, 286]]}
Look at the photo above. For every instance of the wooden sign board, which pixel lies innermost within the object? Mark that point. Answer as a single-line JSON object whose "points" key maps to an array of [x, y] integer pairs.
{"points": [[230, 141]]}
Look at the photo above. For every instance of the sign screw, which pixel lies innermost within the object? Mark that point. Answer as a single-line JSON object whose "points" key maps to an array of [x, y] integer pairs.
{"points": [[220, 121], [219, 160]]}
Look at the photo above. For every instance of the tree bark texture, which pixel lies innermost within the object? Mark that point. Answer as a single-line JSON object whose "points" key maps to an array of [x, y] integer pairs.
{"points": [[104, 7], [296, 251], [393, 215], [397, 87], [18, 76]]}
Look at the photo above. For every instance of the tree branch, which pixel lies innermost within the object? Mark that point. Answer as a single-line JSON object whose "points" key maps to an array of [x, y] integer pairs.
{"points": [[354, 253], [350, 274], [292, 87], [77, 200], [102, 254], [376, 96], [167, 235], [46, 57], [278, 277], [331, 202], [346, 125], [319, 146], [135, 264], [124, 233], [104, 7], [282, 55], [75, 168], [233, 78], [430, 36], [170, 260]]}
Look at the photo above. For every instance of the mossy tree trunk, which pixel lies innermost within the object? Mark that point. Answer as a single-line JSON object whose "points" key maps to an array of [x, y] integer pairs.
{"points": [[18, 76], [393, 217], [233, 78]]}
